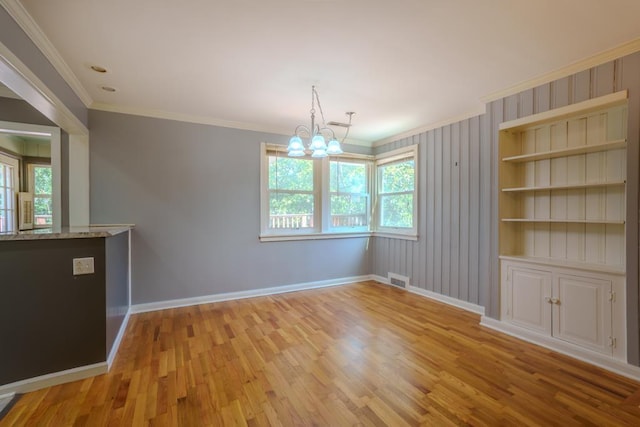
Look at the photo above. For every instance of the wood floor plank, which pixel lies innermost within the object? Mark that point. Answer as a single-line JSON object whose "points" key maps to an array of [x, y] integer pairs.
{"points": [[360, 354]]}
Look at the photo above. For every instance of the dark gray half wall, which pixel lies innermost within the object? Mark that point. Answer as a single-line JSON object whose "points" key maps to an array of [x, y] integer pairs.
{"points": [[457, 251], [50, 320], [193, 192], [12, 36]]}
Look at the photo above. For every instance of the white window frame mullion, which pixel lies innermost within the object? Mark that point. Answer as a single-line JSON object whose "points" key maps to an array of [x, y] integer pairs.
{"points": [[325, 196]]}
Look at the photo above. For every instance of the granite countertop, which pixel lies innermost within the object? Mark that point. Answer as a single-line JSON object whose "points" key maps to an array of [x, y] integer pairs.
{"points": [[91, 231]]}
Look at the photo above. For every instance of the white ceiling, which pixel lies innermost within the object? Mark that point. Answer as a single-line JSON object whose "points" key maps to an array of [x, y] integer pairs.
{"points": [[399, 64]]}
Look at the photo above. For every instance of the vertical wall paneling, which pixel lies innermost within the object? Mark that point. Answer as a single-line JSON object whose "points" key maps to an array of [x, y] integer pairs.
{"points": [[457, 250], [525, 105], [464, 212], [484, 296], [446, 209], [438, 205], [454, 253], [603, 82], [474, 209], [581, 86], [561, 93], [630, 80], [542, 98], [431, 220]]}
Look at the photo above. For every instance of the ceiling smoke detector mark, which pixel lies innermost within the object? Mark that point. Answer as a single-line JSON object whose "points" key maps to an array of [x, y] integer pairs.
{"points": [[108, 88], [98, 69]]}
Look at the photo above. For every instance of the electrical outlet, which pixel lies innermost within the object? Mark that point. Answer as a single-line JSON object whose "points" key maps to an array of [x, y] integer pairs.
{"points": [[83, 266]]}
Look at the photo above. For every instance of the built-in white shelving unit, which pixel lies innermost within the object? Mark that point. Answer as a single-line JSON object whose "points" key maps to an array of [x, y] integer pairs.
{"points": [[562, 178]]}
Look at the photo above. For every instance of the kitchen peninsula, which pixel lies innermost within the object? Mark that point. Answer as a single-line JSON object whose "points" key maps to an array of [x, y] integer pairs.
{"points": [[64, 303]]}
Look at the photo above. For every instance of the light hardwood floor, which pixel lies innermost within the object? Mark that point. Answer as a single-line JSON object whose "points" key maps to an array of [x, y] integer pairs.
{"points": [[360, 354]]}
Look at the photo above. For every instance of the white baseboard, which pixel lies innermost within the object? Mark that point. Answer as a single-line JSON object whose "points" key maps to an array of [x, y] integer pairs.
{"points": [[55, 378], [118, 340], [474, 308], [206, 299], [617, 366]]}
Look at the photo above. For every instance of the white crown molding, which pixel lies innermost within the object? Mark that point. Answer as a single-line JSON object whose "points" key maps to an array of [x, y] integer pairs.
{"points": [[573, 68], [42, 42], [598, 59], [202, 120], [481, 109]]}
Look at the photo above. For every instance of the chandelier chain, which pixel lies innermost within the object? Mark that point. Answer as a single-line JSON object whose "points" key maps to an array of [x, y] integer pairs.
{"points": [[315, 92]]}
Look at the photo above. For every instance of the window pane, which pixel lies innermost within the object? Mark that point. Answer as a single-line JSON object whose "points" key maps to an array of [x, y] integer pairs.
{"points": [[347, 177], [42, 210], [348, 211], [396, 210], [397, 177], [290, 211], [290, 174], [1, 198], [43, 181], [2, 175]]}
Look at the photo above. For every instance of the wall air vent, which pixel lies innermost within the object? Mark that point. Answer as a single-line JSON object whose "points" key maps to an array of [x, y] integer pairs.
{"points": [[398, 280]]}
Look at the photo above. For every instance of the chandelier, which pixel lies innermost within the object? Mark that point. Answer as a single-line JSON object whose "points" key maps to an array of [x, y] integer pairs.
{"points": [[317, 145]]}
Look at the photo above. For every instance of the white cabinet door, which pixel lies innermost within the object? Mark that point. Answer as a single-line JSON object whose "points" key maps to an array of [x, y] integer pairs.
{"points": [[527, 299], [582, 311]]}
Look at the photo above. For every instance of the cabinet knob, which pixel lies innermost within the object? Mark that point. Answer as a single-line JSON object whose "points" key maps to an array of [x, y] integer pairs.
{"points": [[547, 299], [555, 301]]}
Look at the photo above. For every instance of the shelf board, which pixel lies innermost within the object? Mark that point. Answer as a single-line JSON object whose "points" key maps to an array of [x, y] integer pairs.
{"points": [[556, 262], [573, 110], [566, 187], [571, 151], [566, 221]]}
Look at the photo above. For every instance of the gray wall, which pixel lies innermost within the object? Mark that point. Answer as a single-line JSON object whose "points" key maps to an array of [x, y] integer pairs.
{"points": [[116, 284], [193, 192], [12, 36], [17, 110], [457, 252]]}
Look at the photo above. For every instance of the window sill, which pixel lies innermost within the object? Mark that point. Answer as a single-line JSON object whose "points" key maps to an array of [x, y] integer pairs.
{"points": [[399, 236], [313, 236]]}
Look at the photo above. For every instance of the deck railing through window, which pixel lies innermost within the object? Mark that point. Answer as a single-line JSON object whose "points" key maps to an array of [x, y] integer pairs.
{"points": [[295, 221]]}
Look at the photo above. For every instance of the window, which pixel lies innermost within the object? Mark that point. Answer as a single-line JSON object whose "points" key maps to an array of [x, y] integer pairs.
{"points": [[292, 196], [349, 194], [8, 189], [40, 184], [397, 192], [314, 197], [305, 198]]}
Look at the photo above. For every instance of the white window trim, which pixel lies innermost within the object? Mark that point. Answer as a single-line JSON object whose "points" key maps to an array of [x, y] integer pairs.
{"points": [[322, 229], [326, 195], [15, 166], [32, 189], [322, 223], [390, 157]]}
